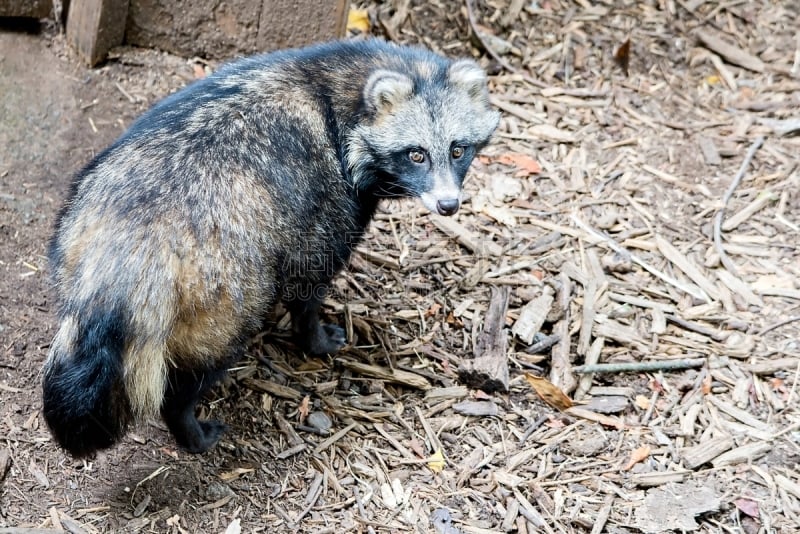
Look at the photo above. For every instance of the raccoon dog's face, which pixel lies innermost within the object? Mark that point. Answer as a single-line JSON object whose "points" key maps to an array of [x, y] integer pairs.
{"points": [[423, 133]]}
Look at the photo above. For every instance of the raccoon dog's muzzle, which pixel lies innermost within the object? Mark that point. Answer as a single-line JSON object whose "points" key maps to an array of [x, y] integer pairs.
{"points": [[444, 197]]}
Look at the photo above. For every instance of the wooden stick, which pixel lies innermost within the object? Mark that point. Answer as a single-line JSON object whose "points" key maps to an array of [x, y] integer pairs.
{"points": [[723, 256], [502, 62], [488, 368], [778, 325], [616, 247], [624, 367]]}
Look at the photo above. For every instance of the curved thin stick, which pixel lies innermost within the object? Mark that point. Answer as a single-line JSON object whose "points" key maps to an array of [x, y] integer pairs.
{"points": [[723, 256], [503, 63]]}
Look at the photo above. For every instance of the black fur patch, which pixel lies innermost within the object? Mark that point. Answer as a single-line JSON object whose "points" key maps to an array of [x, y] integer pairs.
{"points": [[84, 398]]}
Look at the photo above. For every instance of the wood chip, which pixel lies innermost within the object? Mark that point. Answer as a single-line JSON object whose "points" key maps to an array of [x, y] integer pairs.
{"points": [[532, 316], [478, 245], [488, 368], [265, 386], [5, 464], [689, 269], [740, 415], [746, 453], [768, 367], [397, 376], [739, 287], [649, 480], [729, 52], [452, 392], [476, 408], [704, 452], [709, 150]]}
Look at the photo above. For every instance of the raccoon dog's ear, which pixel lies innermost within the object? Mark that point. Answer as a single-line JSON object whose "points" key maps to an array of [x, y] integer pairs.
{"points": [[385, 89], [467, 75]]}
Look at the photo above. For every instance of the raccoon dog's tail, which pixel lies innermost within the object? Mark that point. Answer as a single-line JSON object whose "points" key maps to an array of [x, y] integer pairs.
{"points": [[85, 403]]}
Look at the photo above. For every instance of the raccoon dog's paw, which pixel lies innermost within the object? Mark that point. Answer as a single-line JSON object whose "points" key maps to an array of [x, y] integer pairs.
{"points": [[208, 435], [327, 339]]}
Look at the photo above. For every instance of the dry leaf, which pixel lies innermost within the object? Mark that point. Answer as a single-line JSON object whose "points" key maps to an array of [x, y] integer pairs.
{"points": [[549, 393], [358, 21], [169, 452], [747, 93], [555, 423], [642, 402], [747, 506], [452, 320], [233, 474], [436, 461], [311, 365], [525, 164], [433, 310], [623, 55], [479, 394], [304, 408], [779, 386], [501, 215], [706, 386], [637, 456], [656, 385], [417, 447], [38, 474]]}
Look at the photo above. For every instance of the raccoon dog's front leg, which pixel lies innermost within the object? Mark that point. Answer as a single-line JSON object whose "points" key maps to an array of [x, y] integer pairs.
{"points": [[311, 335]]}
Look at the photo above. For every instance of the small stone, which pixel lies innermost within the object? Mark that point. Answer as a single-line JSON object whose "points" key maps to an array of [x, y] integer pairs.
{"points": [[217, 490], [320, 421]]}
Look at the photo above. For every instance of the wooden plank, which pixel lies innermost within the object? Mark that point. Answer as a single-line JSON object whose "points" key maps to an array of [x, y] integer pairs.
{"points": [[37, 9], [95, 26]]}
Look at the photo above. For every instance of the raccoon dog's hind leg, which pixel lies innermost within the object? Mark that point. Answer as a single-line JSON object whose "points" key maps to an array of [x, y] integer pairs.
{"points": [[184, 389]]}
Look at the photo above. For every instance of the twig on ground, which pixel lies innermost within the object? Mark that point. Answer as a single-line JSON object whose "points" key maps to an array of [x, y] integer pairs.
{"points": [[619, 249], [778, 325], [542, 345], [723, 256], [502, 62], [624, 367]]}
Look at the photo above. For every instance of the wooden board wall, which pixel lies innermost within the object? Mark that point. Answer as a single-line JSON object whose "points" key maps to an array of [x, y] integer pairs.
{"points": [[37, 9], [205, 28]]}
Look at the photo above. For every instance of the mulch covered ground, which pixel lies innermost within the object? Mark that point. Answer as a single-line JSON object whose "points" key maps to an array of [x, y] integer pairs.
{"points": [[627, 266]]}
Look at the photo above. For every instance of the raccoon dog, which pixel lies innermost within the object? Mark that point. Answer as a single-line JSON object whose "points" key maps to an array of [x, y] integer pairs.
{"points": [[247, 187]]}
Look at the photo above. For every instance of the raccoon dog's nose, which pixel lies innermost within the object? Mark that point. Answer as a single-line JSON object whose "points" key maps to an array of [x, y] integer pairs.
{"points": [[447, 207]]}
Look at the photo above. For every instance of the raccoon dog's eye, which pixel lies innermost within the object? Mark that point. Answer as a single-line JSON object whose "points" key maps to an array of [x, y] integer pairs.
{"points": [[417, 156], [457, 152]]}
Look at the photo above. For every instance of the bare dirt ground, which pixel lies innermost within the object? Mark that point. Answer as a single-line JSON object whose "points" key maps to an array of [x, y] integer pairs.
{"points": [[596, 207]]}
